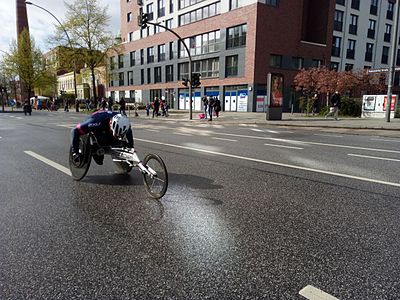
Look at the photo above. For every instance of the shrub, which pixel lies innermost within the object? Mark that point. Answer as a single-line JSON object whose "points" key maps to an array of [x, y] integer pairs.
{"points": [[351, 107], [397, 113]]}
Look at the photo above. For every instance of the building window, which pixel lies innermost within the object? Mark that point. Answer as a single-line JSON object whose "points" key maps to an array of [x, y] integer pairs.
{"points": [[157, 74], [353, 24], [388, 32], [368, 51], [120, 61], [149, 10], [355, 4], [201, 44], [207, 67], [233, 4], [148, 75], [272, 2], [373, 9], [168, 23], [316, 63], [183, 71], [335, 66], [231, 65], [336, 42], [389, 12], [150, 55], [186, 3], [348, 67], [141, 56], [171, 6], [236, 36], [161, 52], [161, 8], [130, 78], [199, 14], [398, 58], [351, 46], [341, 2], [297, 63], [171, 50], [112, 63], [141, 76], [338, 23], [371, 29], [132, 95], [130, 36], [129, 17], [169, 73], [275, 61], [385, 55], [132, 56], [121, 79]]}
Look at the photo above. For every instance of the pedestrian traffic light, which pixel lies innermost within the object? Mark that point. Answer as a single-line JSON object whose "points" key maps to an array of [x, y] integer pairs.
{"points": [[196, 80], [143, 18], [185, 81]]}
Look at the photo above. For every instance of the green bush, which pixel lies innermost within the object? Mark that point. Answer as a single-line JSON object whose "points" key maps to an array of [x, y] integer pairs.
{"points": [[323, 111], [397, 113], [351, 107]]}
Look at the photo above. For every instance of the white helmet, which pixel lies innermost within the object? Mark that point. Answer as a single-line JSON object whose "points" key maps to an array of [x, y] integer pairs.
{"points": [[119, 125]]}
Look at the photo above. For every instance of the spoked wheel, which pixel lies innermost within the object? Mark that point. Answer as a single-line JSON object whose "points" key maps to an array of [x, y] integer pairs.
{"points": [[123, 166], [80, 167], [156, 185]]}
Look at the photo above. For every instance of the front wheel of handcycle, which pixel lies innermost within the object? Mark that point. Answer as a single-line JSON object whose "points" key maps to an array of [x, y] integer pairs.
{"points": [[156, 185], [80, 167]]}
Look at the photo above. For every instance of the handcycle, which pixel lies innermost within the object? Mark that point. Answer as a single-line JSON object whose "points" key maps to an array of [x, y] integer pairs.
{"points": [[153, 169]]}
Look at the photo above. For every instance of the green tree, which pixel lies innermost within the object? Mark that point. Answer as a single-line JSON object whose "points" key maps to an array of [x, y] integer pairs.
{"points": [[87, 23]]}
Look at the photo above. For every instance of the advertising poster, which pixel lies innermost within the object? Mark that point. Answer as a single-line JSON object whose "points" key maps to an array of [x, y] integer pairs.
{"points": [[369, 103], [242, 101], [276, 90], [392, 103]]}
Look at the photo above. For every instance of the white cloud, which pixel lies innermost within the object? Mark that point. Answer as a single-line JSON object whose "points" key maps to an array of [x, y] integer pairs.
{"points": [[41, 24]]}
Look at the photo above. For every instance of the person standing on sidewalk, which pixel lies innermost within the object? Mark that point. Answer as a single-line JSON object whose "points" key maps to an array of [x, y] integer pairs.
{"points": [[156, 107], [335, 106], [205, 104], [122, 106], [211, 105], [217, 107], [110, 104]]}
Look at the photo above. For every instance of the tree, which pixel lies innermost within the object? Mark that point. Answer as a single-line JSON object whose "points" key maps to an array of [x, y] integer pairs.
{"points": [[87, 22]]}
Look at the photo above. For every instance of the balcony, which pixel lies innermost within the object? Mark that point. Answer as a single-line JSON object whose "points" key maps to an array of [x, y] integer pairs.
{"points": [[350, 54], [352, 29], [371, 34], [338, 26], [335, 51], [386, 37], [389, 15], [355, 4], [368, 56], [373, 10]]}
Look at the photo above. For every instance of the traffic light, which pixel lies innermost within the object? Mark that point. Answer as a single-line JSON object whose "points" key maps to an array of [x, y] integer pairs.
{"points": [[143, 18], [185, 81], [196, 80]]}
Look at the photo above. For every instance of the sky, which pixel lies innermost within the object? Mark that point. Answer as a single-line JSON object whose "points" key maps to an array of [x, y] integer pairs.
{"points": [[41, 24]]}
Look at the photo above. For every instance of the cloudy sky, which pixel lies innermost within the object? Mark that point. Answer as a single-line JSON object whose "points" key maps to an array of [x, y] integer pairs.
{"points": [[41, 24]]}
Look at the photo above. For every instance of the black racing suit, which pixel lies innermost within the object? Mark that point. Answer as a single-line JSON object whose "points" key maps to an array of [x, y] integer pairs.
{"points": [[99, 124]]}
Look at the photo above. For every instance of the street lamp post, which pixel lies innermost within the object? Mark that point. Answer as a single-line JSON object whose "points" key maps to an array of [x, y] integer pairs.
{"points": [[69, 41], [392, 61]]}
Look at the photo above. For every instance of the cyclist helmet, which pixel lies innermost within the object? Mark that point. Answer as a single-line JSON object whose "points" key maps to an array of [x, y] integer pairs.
{"points": [[119, 125]]}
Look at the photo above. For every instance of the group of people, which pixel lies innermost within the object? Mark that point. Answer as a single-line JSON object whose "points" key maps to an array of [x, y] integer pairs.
{"points": [[211, 104], [156, 105], [108, 105]]}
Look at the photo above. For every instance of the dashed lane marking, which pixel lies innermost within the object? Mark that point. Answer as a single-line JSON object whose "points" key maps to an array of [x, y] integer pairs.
{"points": [[312, 293], [49, 162], [374, 157], [330, 135], [275, 163], [385, 140], [66, 125], [222, 139], [185, 134], [283, 146]]}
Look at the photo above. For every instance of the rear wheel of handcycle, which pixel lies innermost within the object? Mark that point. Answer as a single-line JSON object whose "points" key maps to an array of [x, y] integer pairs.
{"points": [[156, 186], [80, 168]]}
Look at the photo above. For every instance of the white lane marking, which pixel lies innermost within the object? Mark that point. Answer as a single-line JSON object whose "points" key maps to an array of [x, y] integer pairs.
{"points": [[329, 135], [271, 131], [256, 129], [374, 157], [49, 162], [275, 163], [312, 293], [178, 133], [66, 125], [153, 130], [222, 139], [282, 146], [19, 118], [384, 140]]}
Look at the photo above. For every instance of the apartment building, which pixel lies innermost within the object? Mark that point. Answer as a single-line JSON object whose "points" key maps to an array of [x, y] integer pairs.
{"points": [[363, 33], [234, 45]]}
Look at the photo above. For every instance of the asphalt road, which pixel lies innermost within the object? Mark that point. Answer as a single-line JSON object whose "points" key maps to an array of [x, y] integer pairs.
{"points": [[251, 212]]}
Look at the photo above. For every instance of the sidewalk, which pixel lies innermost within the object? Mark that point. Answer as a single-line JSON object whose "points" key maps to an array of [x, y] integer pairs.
{"points": [[288, 119]]}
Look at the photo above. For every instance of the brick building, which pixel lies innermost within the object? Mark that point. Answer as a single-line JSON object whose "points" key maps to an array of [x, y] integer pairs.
{"points": [[234, 45]]}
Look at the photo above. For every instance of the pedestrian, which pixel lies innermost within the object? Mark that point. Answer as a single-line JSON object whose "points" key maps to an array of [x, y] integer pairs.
{"points": [[122, 105], [103, 103], [211, 104], [162, 104], [110, 104], [147, 109], [217, 106], [205, 105], [166, 109], [87, 102], [156, 107], [27, 107], [66, 107], [335, 106]]}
